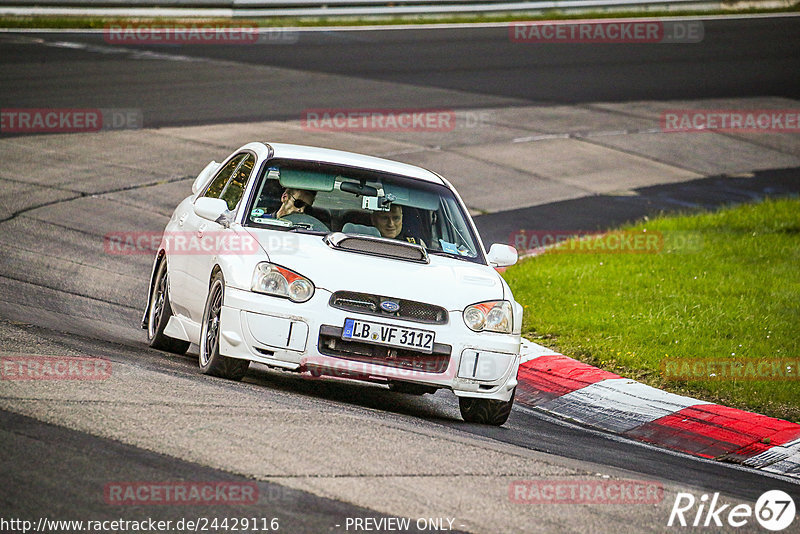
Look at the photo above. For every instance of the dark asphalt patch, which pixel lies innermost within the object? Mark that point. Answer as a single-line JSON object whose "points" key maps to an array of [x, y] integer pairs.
{"points": [[601, 212]]}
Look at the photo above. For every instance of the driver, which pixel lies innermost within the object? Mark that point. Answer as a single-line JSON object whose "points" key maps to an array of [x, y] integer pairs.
{"points": [[390, 225], [294, 201]]}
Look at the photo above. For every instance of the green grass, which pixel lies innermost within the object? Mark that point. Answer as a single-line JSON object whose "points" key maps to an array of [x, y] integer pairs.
{"points": [[735, 294], [83, 22]]}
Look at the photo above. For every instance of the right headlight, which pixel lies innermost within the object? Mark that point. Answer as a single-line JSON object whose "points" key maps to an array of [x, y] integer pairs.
{"points": [[281, 282], [489, 316]]}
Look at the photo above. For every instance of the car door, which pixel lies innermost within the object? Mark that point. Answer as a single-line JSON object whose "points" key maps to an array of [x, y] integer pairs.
{"points": [[190, 258]]}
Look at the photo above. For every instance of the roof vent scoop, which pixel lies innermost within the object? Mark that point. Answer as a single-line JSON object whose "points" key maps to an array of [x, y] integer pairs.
{"points": [[377, 246]]}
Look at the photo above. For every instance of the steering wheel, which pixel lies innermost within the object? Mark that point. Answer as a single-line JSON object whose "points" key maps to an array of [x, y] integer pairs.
{"points": [[305, 219]]}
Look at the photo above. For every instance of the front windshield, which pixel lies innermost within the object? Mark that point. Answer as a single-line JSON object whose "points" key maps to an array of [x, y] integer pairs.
{"points": [[319, 198]]}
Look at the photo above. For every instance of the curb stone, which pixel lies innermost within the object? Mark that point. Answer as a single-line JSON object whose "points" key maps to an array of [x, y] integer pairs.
{"points": [[600, 399]]}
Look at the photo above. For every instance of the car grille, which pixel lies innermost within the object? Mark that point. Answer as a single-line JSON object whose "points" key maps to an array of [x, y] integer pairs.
{"points": [[332, 344], [368, 304]]}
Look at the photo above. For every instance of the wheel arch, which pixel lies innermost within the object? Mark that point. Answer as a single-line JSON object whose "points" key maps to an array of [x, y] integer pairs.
{"points": [[161, 255]]}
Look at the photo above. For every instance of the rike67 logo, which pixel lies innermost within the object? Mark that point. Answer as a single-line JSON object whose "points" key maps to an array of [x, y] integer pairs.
{"points": [[774, 510]]}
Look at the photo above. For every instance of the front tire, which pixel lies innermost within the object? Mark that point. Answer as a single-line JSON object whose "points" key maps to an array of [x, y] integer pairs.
{"points": [[158, 313], [211, 361], [486, 411]]}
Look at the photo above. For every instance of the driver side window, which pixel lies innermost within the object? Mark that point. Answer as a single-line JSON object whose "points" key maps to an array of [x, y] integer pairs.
{"points": [[221, 179], [234, 190]]}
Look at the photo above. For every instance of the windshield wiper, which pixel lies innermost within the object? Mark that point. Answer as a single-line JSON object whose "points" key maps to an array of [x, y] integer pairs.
{"points": [[280, 224], [470, 259]]}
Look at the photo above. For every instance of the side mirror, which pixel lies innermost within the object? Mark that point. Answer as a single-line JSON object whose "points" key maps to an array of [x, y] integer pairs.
{"points": [[204, 176], [212, 209], [502, 255]]}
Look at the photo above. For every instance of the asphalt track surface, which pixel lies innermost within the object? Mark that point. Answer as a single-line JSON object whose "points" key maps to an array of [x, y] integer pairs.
{"points": [[478, 67], [742, 58], [36, 453]]}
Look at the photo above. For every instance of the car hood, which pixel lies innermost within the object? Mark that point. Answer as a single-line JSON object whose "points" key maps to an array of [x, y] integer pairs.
{"points": [[448, 282]]}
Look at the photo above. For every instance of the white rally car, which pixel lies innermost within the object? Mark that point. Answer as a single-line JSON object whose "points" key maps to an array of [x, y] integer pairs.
{"points": [[316, 260]]}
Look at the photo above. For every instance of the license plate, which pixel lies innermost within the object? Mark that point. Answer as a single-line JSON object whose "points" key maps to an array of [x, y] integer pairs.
{"points": [[388, 335]]}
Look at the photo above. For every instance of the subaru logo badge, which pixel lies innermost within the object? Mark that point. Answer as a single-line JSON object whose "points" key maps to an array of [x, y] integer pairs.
{"points": [[390, 306]]}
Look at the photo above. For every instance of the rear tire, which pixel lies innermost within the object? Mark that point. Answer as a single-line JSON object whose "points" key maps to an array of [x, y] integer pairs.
{"points": [[486, 411], [158, 313], [211, 361]]}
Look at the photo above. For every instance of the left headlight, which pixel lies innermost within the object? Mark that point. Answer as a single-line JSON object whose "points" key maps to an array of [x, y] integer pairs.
{"points": [[489, 316], [271, 279]]}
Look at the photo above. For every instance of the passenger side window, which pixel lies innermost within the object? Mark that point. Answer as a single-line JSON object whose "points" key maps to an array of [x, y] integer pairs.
{"points": [[232, 193], [221, 179]]}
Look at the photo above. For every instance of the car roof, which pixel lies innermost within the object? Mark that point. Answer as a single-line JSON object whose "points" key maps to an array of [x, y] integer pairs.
{"points": [[351, 159]]}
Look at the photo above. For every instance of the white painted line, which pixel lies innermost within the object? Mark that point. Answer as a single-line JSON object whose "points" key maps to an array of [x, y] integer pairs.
{"points": [[132, 52], [618, 404], [118, 12]]}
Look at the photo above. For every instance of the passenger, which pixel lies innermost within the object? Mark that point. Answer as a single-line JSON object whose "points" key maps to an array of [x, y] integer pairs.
{"points": [[390, 225], [294, 201]]}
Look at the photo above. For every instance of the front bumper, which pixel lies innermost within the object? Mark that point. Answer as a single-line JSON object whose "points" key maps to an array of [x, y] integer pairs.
{"points": [[306, 336]]}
